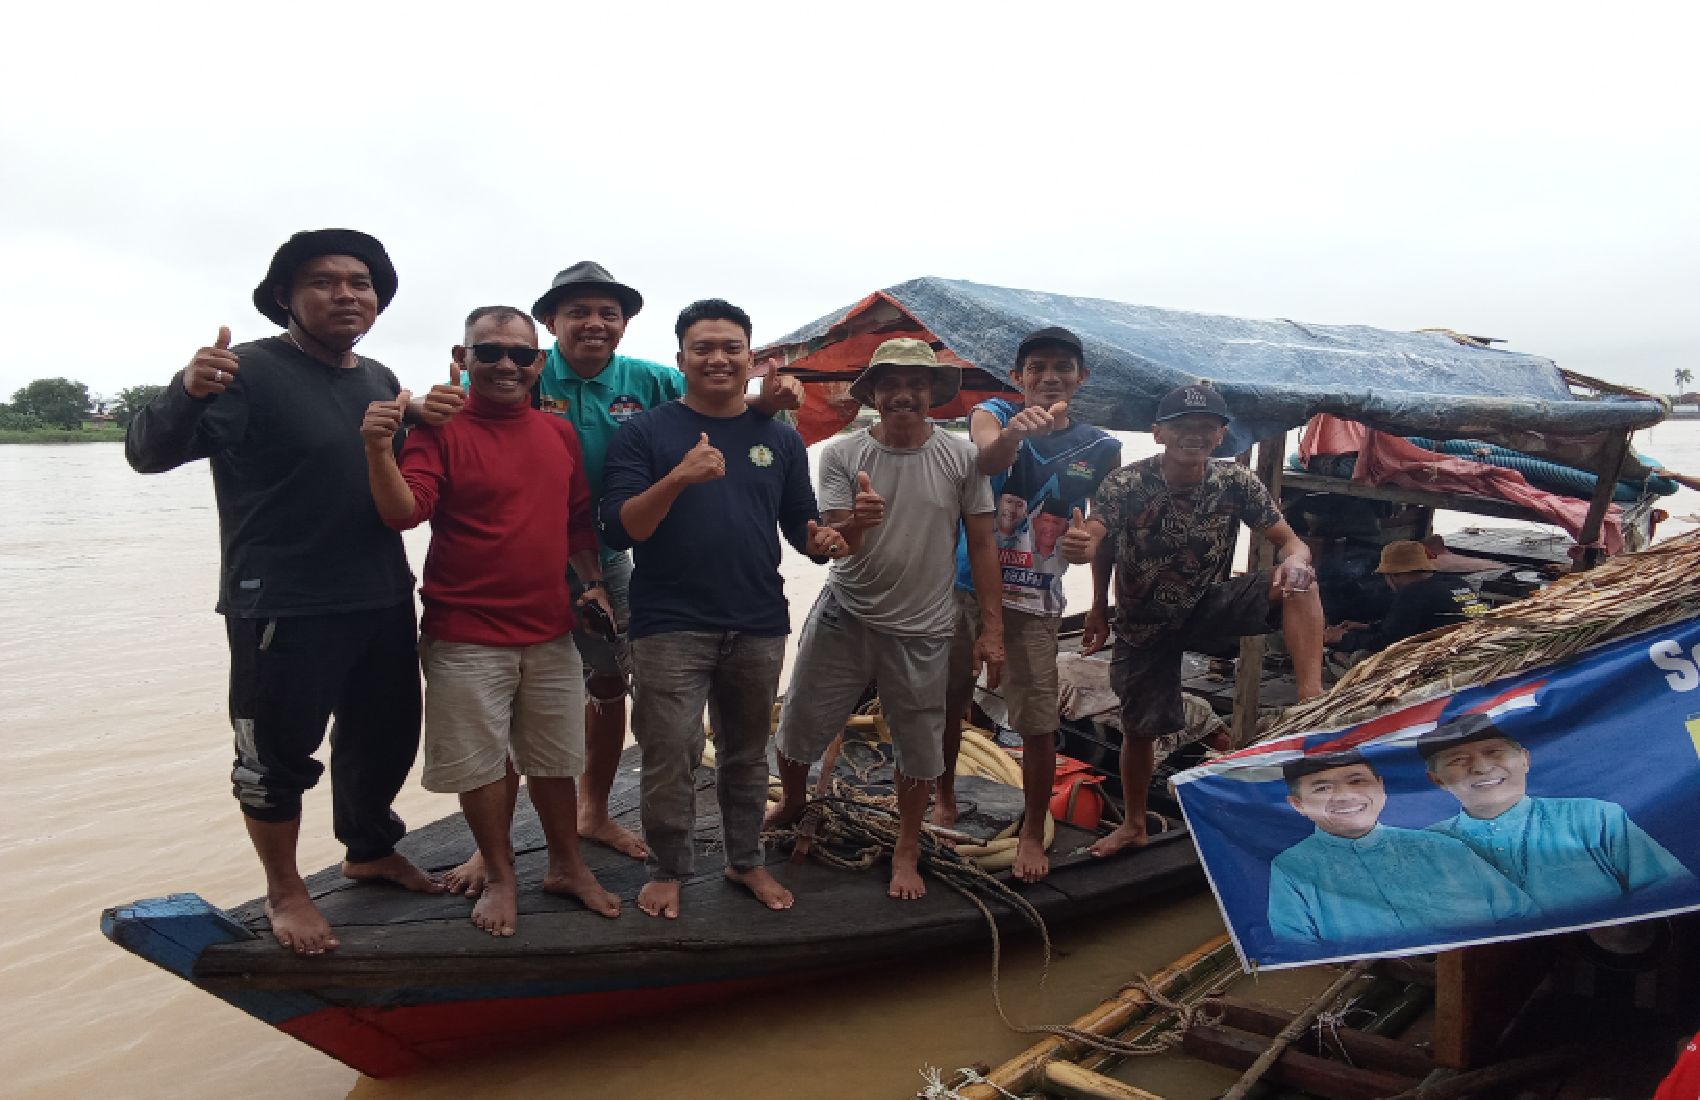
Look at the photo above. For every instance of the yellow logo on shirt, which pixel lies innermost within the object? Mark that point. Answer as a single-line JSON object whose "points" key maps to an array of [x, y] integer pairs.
{"points": [[761, 456], [1693, 724]]}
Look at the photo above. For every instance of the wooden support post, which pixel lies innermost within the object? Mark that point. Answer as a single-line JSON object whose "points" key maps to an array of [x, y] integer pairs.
{"points": [[1478, 991], [1248, 680], [1611, 466]]}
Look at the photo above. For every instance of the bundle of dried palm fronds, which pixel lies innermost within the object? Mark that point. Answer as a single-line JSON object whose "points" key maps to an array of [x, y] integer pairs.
{"points": [[1623, 595]]}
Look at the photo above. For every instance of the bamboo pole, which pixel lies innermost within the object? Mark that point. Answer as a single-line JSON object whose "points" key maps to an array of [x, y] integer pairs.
{"points": [[1068, 1079], [1022, 1072], [1293, 1030]]}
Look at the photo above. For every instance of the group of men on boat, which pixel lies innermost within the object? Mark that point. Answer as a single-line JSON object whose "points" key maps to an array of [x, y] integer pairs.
{"points": [[540, 467]]}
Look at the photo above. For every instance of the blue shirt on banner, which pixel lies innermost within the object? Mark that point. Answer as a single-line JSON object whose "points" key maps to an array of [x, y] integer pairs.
{"points": [[1569, 853], [1051, 476], [1390, 882]]}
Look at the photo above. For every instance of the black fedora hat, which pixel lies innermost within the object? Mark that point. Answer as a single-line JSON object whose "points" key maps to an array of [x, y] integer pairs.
{"points": [[311, 243], [586, 277], [1462, 730]]}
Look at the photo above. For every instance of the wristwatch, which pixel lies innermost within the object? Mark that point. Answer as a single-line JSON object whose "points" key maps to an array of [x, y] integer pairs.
{"points": [[597, 583]]}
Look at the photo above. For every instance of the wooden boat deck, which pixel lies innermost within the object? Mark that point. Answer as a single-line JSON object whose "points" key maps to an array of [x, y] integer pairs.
{"points": [[841, 917]]}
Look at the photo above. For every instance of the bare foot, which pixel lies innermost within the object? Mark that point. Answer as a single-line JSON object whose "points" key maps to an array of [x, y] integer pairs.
{"points": [[660, 899], [498, 908], [906, 882], [764, 886], [1031, 862], [578, 882], [944, 810], [1125, 836], [610, 833], [395, 868], [469, 878], [782, 815], [298, 924]]}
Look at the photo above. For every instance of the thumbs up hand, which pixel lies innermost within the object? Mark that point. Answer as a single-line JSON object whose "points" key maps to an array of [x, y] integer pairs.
{"points": [[1079, 544], [1035, 420], [209, 373], [701, 463], [779, 392], [383, 420], [825, 542], [868, 509]]}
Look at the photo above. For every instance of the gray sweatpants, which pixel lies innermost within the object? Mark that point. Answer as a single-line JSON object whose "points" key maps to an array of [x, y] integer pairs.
{"points": [[673, 676]]}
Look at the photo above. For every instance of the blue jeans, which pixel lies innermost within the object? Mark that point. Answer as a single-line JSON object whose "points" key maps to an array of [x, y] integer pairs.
{"points": [[674, 674]]}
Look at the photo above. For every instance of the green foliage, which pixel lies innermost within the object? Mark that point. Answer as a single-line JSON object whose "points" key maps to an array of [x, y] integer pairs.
{"points": [[56, 402], [1683, 377], [132, 400], [13, 420]]}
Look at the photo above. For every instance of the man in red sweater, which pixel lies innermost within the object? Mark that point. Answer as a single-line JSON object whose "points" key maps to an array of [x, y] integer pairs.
{"points": [[504, 488]]}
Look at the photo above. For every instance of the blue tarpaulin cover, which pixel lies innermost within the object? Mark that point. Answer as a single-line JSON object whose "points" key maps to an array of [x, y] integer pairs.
{"points": [[1274, 374]]}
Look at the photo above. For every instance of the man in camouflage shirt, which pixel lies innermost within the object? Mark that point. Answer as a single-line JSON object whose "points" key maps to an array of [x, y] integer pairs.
{"points": [[1166, 526]]}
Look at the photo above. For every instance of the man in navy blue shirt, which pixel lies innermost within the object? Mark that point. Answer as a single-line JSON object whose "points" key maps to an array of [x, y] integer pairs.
{"points": [[700, 487]]}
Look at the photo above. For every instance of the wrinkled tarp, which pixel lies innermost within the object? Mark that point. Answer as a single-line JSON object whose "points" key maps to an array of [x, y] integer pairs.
{"points": [[1274, 374]]}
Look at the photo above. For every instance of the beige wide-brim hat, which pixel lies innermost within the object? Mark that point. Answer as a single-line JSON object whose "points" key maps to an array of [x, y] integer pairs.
{"points": [[1405, 557], [904, 352]]}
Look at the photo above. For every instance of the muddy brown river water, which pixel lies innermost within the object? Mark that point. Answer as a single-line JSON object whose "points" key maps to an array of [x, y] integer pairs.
{"points": [[116, 752]]}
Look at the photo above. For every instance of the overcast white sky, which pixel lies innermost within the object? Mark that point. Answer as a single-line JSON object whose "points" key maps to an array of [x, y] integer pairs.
{"points": [[1514, 170]]}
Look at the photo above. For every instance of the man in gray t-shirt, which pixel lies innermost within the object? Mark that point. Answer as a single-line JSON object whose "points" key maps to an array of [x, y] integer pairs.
{"points": [[896, 492]]}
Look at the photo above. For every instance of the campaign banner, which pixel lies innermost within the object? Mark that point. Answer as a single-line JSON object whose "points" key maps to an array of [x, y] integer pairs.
{"points": [[1555, 799]]}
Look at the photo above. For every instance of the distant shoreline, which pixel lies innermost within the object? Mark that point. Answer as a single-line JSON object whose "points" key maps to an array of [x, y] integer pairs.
{"points": [[60, 435]]}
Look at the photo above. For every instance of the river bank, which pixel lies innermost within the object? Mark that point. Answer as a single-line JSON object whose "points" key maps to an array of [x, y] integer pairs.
{"points": [[61, 435]]}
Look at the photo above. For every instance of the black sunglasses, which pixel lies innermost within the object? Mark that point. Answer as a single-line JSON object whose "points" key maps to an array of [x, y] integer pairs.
{"points": [[492, 353]]}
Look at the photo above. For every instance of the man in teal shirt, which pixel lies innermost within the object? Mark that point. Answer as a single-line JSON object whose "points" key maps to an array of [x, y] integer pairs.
{"points": [[1568, 854], [586, 309], [1355, 880]]}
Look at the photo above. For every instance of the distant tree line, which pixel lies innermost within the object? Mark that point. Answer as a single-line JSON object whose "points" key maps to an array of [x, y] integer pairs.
{"points": [[62, 403]]}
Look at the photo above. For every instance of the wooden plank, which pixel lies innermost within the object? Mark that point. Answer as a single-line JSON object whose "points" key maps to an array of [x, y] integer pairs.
{"points": [[1478, 991], [1452, 502], [1319, 1076], [1611, 466], [1361, 1048], [1248, 678]]}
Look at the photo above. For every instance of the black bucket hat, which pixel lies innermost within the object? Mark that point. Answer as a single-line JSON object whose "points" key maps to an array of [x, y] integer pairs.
{"points": [[586, 276], [312, 243]]}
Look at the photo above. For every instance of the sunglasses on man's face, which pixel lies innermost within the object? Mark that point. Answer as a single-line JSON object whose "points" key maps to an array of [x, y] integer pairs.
{"points": [[521, 355]]}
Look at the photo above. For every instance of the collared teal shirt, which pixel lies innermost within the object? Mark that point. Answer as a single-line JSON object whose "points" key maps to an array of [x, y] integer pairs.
{"points": [[1569, 853], [1389, 883], [597, 407]]}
